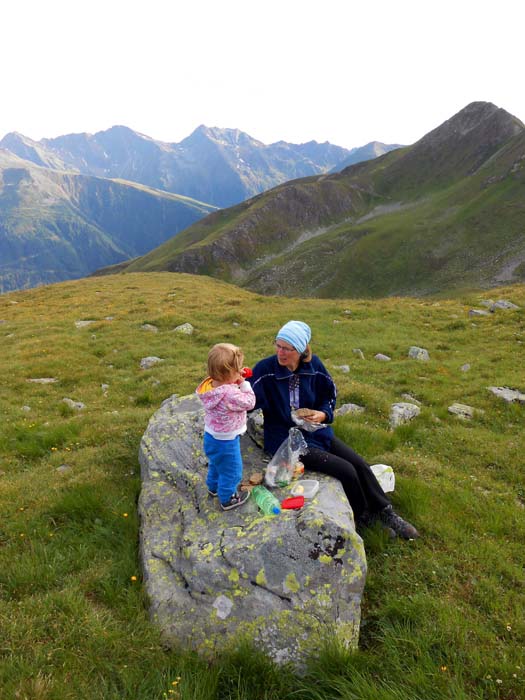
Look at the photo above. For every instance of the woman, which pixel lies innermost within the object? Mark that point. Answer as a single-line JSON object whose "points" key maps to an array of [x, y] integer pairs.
{"points": [[294, 378]]}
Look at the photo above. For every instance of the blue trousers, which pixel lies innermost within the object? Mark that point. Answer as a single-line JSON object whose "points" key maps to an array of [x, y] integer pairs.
{"points": [[224, 465]]}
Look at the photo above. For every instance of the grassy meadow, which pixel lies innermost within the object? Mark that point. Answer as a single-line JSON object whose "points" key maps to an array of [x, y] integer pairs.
{"points": [[443, 617]]}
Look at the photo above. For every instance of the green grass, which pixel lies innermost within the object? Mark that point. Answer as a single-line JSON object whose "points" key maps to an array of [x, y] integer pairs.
{"points": [[442, 617]]}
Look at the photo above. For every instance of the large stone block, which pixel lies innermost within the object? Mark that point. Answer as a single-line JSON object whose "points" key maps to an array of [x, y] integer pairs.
{"points": [[213, 577]]}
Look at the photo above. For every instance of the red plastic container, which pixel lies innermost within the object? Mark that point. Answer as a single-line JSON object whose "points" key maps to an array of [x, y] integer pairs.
{"points": [[293, 503]]}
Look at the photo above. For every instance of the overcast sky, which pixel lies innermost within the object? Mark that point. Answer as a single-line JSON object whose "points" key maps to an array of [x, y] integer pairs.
{"points": [[340, 71]]}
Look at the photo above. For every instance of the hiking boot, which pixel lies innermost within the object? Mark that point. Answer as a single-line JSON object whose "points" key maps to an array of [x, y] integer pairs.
{"points": [[236, 500], [368, 519], [395, 522]]}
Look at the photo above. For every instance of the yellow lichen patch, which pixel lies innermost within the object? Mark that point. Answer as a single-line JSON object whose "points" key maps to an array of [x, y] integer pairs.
{"points": [[325, 559], [234, 576], [291, 584], [207, 549], [260, 579], [324, 599]]}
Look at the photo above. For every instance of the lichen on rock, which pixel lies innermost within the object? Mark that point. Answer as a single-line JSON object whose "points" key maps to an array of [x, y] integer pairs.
{"points": [[216, 577]]}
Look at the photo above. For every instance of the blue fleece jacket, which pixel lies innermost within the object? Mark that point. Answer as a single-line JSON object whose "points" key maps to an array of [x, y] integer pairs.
{"points": [[270, 383]]}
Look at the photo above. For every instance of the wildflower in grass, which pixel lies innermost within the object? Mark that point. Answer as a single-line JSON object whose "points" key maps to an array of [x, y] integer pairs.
{"points": [[509, 628], [443, 669], [124, 515], [133, 578]]}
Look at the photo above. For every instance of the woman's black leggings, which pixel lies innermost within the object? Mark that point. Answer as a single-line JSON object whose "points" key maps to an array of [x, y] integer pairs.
{"points": [[361, 486]]}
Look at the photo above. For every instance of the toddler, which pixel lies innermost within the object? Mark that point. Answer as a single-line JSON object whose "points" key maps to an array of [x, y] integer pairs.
{"points": [[226, 396]]}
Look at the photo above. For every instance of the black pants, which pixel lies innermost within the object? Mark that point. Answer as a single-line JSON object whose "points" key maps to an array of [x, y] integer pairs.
{"points": [[361, 487]]}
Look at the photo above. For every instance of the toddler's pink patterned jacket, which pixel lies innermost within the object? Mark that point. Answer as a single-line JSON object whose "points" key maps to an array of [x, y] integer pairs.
{"points": [[225, 408]]}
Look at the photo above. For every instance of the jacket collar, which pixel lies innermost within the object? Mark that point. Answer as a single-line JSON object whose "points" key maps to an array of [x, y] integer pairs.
{"points": [[282, 372]]}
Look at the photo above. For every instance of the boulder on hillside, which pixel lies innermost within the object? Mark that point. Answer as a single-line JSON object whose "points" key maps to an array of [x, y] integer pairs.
{"points": [[507, 394], [402, 412], [214, 577], [462, 410], [150, 361], [416, 353], [349, 408]]}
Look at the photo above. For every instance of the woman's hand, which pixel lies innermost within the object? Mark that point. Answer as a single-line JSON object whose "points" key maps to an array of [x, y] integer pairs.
{"points": [[315, 417]]}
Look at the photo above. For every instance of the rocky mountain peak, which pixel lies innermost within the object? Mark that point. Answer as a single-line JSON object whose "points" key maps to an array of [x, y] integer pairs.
{"points": [[485, 118], [227, 137]]}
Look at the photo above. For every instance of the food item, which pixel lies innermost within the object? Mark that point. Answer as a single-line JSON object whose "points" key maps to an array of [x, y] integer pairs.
{"points": [[298, 470], [307, 488], [304, 412]]}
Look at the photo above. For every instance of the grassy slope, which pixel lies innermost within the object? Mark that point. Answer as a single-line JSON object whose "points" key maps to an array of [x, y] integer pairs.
{"points": [[443, 617], [454, 230], [454, 238]]}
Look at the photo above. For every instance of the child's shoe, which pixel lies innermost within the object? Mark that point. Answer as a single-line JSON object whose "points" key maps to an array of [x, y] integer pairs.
{"points": [[212, 493], [236, 500]]}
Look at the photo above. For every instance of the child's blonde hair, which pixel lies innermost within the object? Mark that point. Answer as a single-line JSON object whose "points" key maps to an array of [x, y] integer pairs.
{"points": [[224, 359]]}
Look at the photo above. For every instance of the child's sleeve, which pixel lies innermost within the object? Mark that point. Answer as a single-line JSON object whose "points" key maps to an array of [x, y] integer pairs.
{"points": [[242, 399]]}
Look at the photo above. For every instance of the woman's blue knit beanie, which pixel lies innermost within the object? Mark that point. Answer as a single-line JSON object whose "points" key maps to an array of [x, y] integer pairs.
{"points": [[296, 333]]}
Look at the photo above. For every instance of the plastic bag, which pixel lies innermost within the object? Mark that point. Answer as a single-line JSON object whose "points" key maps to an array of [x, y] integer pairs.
{"points": [[305, 424], [281, 467]]}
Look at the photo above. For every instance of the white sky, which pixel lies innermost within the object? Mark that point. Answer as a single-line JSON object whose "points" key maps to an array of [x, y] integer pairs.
{"points": [[343, 71]]}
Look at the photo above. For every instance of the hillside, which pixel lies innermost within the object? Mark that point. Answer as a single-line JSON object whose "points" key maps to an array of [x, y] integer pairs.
{"points": [[56, 225], [218, 166], [444, 214], [443, 617]]}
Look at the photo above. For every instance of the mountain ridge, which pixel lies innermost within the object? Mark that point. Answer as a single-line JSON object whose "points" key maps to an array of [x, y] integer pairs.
{"points": [[215, 165], [446, 213]]}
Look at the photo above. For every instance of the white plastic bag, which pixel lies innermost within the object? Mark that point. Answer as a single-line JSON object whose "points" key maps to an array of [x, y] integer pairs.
{"points": [[281, 467], [385, 475], [305, 424]]}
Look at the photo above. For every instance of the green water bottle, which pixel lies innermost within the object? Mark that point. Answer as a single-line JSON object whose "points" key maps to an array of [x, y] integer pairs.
{"points": [[266, 500]]}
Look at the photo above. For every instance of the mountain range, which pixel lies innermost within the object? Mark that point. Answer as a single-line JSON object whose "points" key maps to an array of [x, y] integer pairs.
{"points": [[78, 202], [221, 167], [447, 213]]}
